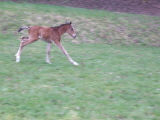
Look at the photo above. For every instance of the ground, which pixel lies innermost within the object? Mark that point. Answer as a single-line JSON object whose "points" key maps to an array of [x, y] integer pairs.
{"points": [[147, 7]]}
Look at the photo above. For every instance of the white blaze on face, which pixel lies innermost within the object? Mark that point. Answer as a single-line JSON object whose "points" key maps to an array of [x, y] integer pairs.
{"points": [[74, 35]]}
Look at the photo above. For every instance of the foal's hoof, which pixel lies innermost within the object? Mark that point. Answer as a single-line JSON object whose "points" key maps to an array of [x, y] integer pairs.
{"points": [[17, 61], [75, 63], [49, 62]]}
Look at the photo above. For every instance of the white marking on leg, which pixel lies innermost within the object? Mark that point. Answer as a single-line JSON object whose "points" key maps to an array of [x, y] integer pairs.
{"points": [[17, 58], [18, 55], [18, 52]]}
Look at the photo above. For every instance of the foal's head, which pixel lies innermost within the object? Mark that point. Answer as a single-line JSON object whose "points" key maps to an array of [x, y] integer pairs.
{"points": [[70, 30]]}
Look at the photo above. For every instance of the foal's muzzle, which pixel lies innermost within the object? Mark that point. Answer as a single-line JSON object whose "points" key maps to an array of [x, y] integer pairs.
{"points": [[74, 36]]}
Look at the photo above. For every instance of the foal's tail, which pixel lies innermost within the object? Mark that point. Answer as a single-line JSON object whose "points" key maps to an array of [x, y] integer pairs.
{"points": [[20, 29]]}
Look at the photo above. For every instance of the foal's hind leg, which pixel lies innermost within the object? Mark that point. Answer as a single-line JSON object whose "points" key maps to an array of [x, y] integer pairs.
{"points": [[23, 43], [23, 39]]}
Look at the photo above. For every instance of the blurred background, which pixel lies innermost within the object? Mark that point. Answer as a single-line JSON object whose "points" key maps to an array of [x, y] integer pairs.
{"points": [[140, 26], [148, 7]]}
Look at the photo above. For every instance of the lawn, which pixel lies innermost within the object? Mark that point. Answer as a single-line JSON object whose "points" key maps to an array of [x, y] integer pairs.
{"points": [[118, 76]]}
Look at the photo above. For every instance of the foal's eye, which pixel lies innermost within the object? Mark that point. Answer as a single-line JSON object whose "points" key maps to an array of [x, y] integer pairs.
{"points": [[71, 29]]}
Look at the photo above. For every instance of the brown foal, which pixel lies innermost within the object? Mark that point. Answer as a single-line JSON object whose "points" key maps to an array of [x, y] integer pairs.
{"points": [[48, 34]]}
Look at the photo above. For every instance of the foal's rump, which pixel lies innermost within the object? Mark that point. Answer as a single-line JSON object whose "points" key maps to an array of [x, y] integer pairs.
{"points": [[38, 32]]}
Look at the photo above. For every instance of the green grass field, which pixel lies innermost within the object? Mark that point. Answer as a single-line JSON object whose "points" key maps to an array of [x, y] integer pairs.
{"points": [[118, 76]]}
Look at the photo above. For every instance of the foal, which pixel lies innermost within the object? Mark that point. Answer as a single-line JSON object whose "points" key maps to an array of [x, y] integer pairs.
{"points": [[49, 35]]}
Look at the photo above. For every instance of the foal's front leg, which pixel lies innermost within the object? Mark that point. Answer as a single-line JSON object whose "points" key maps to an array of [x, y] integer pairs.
{"points": [[48, 53], [66, 53]]}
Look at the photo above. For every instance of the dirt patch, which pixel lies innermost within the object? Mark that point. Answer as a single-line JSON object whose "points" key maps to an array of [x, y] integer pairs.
{"points": [[147, 7]]}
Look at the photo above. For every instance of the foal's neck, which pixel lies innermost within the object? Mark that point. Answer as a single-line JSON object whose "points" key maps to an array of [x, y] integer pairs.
{"points": [[62, 29]]}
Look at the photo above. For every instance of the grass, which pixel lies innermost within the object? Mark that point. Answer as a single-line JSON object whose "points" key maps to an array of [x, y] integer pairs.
{"points": [[112, 82]]}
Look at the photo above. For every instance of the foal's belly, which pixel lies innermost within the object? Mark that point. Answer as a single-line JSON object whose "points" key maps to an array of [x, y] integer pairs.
{"points": [[46, 39]]}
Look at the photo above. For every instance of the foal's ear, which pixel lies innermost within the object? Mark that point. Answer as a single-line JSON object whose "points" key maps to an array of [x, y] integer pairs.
{"points": [[70, 22]]}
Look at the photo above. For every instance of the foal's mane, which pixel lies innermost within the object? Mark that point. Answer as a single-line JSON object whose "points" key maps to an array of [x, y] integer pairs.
{"points": [[60, 25]]}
